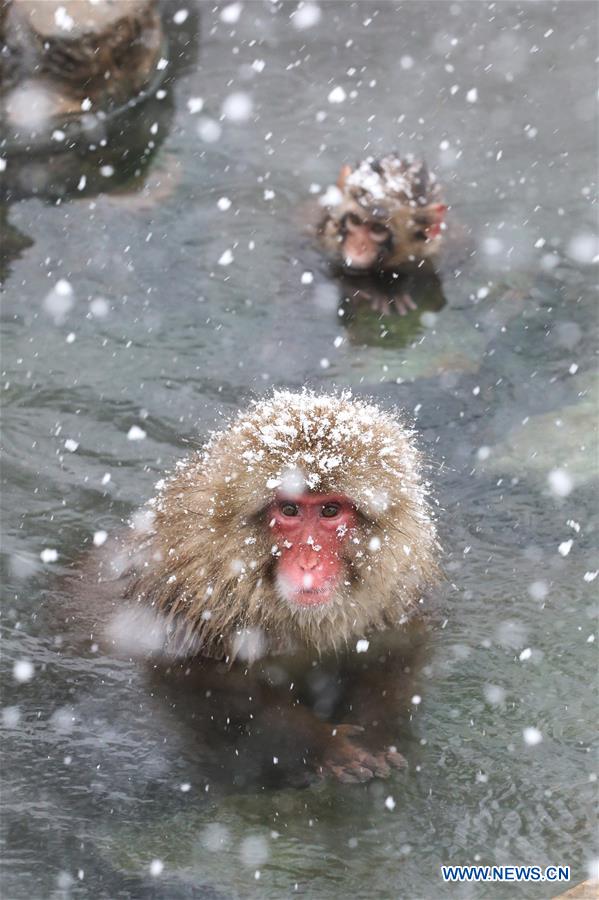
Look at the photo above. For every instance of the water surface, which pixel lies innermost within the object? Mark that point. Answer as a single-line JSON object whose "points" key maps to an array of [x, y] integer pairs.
{"points": [[499, 98]]}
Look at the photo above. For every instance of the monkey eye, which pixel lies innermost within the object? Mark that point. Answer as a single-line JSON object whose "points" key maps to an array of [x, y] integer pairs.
{"points": [[330, 510], [353, 219], [379, 228], [289, 509]]}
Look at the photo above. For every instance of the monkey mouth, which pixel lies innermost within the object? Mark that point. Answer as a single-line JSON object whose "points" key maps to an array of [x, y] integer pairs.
{"points": [[312, 596], [304, 596], [353, 266], [355, 270]]}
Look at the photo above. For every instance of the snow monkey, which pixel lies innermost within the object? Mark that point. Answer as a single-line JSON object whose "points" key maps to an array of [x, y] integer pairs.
{"points": [[271, 559], [384, 216]]}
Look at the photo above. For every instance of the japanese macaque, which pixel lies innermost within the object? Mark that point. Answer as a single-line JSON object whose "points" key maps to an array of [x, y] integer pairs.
{"points": [[383, 217], [279, 552]]}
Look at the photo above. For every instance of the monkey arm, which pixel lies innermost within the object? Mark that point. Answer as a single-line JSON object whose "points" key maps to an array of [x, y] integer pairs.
{"points": [[269, 726]]}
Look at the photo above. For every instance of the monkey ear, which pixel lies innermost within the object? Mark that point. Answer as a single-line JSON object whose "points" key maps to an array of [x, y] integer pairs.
{"points": [[436, 216], [343, 174]]}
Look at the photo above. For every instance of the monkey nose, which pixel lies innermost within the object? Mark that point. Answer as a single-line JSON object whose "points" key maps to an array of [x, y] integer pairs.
{"points": [[309, 563]]}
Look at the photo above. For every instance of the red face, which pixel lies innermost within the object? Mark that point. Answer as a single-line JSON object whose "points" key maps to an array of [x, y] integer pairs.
{"points": [[363, 241], [310, 531]]}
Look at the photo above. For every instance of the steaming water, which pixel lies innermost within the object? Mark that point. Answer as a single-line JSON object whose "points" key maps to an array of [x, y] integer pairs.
{"points": [[102, 783]]}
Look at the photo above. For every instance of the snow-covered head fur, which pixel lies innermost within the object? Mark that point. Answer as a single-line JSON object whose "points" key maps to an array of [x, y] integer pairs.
{"points": [[206, 564]]}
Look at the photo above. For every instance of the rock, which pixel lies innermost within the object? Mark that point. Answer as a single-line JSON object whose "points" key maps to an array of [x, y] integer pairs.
{"points": [[563, 438]]}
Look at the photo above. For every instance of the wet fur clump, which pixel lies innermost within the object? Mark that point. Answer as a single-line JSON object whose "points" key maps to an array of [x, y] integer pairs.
{"points": [[204, 563]]}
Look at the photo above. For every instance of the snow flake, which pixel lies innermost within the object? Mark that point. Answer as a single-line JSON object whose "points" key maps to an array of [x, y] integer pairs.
{"points": [[23, 671], [136, 433], [494, 694], [560, 482], [143, 520], [492, 246], [156, 867], [226, 258], [99, 307], [584, 248], [11, 716], [254, 850], [208, 130], [532, 736], [306, 16], [331, 197], [538, 590], [230, 14], [237, 107], [49, 555], [100, 538], [63, 19], [59, 301], [195, 105], [337, 95]]}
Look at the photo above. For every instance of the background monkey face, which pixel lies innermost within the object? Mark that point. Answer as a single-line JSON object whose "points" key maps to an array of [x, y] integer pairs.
{"points": [[386, 214]]}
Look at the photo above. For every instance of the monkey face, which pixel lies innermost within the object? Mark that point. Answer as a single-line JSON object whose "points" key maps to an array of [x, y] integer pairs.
{"points": [[311, 531], [375, 240], [365, 242], [383, 215]]}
